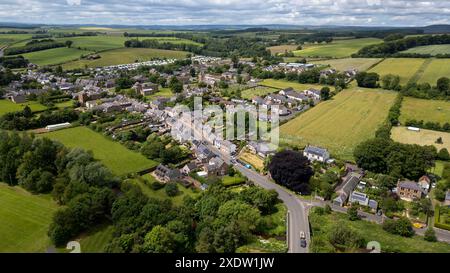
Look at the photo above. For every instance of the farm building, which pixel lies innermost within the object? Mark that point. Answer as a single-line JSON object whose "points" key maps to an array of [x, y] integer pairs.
{"points": [[55, 127]]}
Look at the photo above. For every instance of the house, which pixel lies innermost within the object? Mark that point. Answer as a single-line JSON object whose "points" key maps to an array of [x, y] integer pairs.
{"points": [[18, 98], [203, 154], [282, 110], [166, 174], [358, 197], [425, 183], [316, 154], [276, 98], [313, 93], [159, 103], [285, 91], [349, 185], [216, 166], [409, 190], [262, 149], [257, 100], [296, 96], [188, 168], [225, 146], [145, 89]]}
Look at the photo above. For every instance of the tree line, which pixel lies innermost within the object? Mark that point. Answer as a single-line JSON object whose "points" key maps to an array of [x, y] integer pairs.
{"points": [[34, 46]]}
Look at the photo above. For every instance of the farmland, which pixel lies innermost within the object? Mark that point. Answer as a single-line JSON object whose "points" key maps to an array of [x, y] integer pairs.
{"points": [[424, 137], [340, 124], [406, 68], [55, 55], [116, 157], [430, 49], [436, 69], [7, 106], [124, 56], [360, 64], [282, 49], [336, 49], [25, 220], [282, 84], [426, 110], [6, 39]]}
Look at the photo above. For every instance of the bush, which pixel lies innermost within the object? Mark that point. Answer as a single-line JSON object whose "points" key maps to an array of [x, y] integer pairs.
{"points": [[172, 189], [402, 227], [157, 186], [430, 235]]}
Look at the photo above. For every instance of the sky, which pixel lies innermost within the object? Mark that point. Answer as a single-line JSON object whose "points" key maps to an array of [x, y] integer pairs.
{"points": [[228, 12]]}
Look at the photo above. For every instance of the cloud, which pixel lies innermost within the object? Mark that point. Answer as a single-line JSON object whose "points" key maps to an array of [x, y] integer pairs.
{"points": [[195, 12]]}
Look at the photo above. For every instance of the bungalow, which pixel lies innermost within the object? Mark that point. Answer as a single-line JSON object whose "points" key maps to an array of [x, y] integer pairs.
{"points": [[296, 96], [166, 174], [313, 93], [285, 91], [276, 98], [363, 200], [316, 154], [409, 190]]}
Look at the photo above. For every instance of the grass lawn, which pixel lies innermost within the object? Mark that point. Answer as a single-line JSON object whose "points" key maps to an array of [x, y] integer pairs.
{"points": [[336, 49], [323, 225], [341, 123], [125, 56], [65, 104], [161, 193], [361, 64], [162, 92], [282, 84], [54, 56], [7, 106], [252, 159], [426, 110], [96, 240], [424, 137], [436, 69], [116, 157], [406, 68], [429, 49], [438, 169], [257, 91], [232, 180], [25, 219]]}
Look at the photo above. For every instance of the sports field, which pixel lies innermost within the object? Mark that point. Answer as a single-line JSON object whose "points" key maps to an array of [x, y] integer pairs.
{"points": [[282, 84], [116, 157], [436, 69], [125, 56], [430, 49], [360, 64], [340, 124], [54, 56], [24, 219], [336, 49], [7, 106], [424, 137], [426, 110], [406, 68]]}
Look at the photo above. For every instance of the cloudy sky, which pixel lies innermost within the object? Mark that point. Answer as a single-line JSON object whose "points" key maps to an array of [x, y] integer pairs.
{"points": [[200, 12]]}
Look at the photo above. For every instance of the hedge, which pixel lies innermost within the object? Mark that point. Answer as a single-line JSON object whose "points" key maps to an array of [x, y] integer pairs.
{"points": [[437, 217]]}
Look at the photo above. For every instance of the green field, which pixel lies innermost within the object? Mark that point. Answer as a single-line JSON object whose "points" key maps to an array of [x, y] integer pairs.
{"points": [[161, 193], [7, 106], [406, 68], [6, 39], [340, 124], [96, 43], [360, 64], [162, 92], [430, 49], [55, 55], [96, 240], [426, 110], [424, 137], [336, 49], [25, 219], [125, 56], [282, 49], [436, 69], [282, 84], [116, 157], [322, 226], [257, 91]]}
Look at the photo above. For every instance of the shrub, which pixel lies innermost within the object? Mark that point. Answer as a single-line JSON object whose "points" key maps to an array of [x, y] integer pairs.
{"points": [[157, 186], [402, 227], [172, 189]]}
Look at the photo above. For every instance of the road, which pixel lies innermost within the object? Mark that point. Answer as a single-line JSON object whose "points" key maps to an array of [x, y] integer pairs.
{"points": [[297, 214]]}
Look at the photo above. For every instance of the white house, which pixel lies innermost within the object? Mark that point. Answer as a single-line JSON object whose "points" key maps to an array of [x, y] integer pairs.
{"points": [[316, 154]]}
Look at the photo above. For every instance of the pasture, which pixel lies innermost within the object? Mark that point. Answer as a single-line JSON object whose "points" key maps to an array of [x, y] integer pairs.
{"points": [[406, 68], [25, 220], [336, 49], [436, 69], [96, 43], [429, 49], [282, 84], [426, 110], [54, 56], [341, 123], [422, 138], [360, 64], [125, 56], [7, 106], [6, 39], [116, 157], [282, 49]]}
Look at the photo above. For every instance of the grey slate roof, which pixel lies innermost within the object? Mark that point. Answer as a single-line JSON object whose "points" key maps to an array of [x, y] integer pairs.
{"points": [[316, 151]]}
